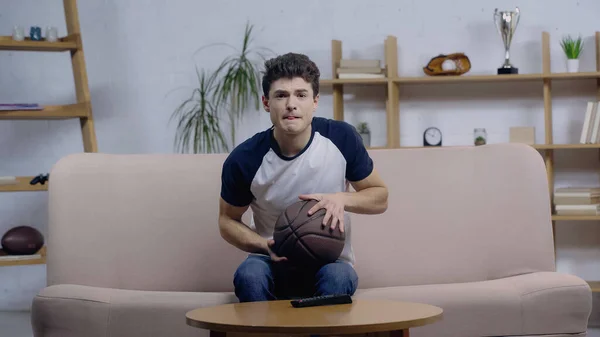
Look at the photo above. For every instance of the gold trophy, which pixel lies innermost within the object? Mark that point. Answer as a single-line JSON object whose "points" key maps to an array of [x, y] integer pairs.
{"points": [[506, 23]]}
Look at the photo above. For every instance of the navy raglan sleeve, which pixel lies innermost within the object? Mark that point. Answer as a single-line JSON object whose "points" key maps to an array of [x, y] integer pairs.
{"points": [[235, 183], [359, 164]]}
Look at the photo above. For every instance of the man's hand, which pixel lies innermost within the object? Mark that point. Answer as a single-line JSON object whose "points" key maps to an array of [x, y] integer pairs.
{"points": [[334, 205], [274, 256]]}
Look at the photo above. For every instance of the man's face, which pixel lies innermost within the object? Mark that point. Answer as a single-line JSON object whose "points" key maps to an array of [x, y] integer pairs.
{"points": [[291, 105]]}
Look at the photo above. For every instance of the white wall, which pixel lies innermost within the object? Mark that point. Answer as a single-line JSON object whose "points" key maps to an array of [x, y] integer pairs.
{"points": [[139, 52]]}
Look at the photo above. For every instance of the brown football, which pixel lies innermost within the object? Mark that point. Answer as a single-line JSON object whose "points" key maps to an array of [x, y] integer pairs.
{"points": [[22, 240]]}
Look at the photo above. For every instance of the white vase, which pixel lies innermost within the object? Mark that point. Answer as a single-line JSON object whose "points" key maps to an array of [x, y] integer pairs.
{"points": [[572, 65]]}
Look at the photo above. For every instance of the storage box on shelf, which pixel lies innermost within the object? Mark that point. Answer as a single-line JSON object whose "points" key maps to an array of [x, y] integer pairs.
{"points": [[81, 109], [393, 81]]}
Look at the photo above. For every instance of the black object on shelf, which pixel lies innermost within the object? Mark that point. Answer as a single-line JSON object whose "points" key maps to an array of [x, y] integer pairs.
{"points": [[40, 178]]}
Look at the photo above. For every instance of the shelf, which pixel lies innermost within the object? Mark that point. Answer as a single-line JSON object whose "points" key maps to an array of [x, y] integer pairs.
{"points": [[574, 76], [24, 262], [566, 146], [63, 44], [22, 185], [353, 81], [465, 78], [535, 146], [77, 110], [468, 78], [575, 217], [595, 285]]}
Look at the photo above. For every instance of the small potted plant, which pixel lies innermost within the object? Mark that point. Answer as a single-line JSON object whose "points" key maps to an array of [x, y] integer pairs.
{"points": [[572, 48], [365, 133]]}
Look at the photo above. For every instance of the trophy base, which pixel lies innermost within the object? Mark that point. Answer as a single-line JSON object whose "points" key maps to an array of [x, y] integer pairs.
{"points": [[508, 70]]}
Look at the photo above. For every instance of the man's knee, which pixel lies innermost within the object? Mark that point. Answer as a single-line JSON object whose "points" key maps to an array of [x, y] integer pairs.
{"points": [[253, 280], [336, 278], [252, 269]]}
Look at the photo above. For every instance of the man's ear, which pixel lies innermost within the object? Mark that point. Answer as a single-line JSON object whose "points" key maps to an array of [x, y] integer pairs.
{"points": [[316, 101], [265, 102]]}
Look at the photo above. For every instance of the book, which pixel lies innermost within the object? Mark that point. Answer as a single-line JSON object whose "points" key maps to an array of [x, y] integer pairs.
{"points": [[596, 125], [20, 106], [577, 196], [577, 191], [358, 75], [576, 200], [587, 123], [592, 209], [590, 131], [359, 63], [10, 180], [361, 70]]}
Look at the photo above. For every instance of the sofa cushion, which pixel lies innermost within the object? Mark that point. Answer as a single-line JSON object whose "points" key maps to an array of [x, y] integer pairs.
{"points": [[529, 304], [544, 303], [74, 311]]}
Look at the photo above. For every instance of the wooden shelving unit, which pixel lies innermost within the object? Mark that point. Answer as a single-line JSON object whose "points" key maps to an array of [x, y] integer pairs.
{"points": [[81, 109], [392, 83]]}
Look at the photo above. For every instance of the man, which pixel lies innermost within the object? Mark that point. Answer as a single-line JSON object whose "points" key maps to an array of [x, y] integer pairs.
{"points": [[300, 157]]}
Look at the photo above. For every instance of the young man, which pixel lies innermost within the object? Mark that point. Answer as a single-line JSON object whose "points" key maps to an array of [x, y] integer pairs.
{"points": [[300, 157]]}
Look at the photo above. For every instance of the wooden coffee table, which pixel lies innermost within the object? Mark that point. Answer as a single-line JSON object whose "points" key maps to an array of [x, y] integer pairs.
{"points": [[279, 317]]}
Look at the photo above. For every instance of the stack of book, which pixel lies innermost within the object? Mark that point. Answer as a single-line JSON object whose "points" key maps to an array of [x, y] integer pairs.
{"points": [[590, 133], [577, 201], [358, 68]]}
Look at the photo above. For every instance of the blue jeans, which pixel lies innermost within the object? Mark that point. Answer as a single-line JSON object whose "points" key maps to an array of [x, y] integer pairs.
{"points": [[258, 278]]}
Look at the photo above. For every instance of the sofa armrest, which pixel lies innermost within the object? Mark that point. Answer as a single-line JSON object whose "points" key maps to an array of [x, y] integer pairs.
{"points": [[70, 311], [75, 310]]}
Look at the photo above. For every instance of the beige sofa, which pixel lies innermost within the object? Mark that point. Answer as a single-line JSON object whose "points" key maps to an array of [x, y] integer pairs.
{"points": [[133, 244]]}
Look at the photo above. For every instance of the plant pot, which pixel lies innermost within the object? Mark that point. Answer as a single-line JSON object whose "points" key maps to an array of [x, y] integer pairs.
{"points": [[572, 65], [366, 137]]}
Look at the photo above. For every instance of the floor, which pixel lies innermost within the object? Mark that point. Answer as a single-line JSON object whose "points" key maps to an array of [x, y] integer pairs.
{"points": [[17, 324]]}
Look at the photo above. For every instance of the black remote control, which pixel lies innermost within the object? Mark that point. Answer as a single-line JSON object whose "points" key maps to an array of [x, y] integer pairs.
{"points": [[321, 300]]}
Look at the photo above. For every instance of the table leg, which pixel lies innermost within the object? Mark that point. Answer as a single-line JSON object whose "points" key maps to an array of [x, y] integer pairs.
{"points": [[217, 333], [398, 333]]}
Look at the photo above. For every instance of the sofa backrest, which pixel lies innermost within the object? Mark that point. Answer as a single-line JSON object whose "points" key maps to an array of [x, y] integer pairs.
{"points": [[149, 221], [457, 214]]}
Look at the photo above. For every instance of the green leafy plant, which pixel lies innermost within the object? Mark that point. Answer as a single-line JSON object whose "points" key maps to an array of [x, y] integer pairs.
{"points": [[572, 47], [198, 125], [229, 90], [362, 127]]}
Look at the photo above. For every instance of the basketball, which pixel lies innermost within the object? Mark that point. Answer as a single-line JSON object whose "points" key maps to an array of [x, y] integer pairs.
{"points": [[303, 239], [22, 240]]}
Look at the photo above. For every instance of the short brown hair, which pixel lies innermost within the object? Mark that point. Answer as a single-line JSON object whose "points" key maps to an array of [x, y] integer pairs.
{"points": [[288, 66]]}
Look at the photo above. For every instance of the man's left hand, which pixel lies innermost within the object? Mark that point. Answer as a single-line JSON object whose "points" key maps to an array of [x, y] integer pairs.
{"points": [[334, 205]]}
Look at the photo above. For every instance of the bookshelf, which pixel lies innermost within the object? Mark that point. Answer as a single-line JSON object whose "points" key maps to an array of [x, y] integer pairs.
{"points": [[392, 83], [81, 109]]}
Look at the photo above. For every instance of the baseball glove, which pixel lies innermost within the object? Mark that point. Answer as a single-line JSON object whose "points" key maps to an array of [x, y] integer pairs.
{"points": [[462, 64]]}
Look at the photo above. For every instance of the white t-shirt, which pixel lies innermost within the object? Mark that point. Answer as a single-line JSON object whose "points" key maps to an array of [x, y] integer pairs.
{"points": [[256, 173]]}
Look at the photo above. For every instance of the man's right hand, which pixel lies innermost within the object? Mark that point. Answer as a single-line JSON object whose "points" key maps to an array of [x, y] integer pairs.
{"points": [[274, 256]]}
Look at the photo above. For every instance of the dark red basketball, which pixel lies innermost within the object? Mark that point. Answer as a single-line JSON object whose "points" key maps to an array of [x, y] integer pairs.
{"points": [[22, 240], [303, 239]]}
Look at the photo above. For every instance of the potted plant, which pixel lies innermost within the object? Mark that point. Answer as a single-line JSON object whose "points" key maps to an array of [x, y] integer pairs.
{"points": [[229, 90], [365, 133], [572, 48]]}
